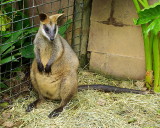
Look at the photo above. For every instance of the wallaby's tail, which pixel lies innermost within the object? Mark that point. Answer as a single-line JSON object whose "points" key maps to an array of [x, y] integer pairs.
{"points": [[107, 88]]}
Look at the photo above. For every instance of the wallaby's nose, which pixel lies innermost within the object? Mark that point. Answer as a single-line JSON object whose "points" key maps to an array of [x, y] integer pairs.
{"points": [[52, 38]]}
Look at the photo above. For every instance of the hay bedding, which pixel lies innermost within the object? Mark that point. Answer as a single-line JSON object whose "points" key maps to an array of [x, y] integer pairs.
{"points": [[89, 109]]}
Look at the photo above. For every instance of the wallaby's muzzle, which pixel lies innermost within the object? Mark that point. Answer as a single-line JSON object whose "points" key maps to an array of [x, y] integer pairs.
{"points": [[51, 38]]}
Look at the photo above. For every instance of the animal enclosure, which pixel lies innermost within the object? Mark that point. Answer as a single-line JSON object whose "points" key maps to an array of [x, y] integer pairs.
{"points": [[19, 22], [102, 32]]}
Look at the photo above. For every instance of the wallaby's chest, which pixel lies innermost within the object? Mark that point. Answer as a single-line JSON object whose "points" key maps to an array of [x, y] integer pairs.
{"points": [[46, 51]]}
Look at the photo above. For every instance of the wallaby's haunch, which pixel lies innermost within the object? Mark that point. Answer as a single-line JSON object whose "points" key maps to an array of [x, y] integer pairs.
{"points": [[54, 69]]}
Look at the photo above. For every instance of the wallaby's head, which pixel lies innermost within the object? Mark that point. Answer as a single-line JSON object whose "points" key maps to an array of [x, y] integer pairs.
{"points": [[48, 26]]}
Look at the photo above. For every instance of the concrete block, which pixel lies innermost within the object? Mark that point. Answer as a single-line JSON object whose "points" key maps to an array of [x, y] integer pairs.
{"points": [[100, 10], [118, 66], [123, 41], [124, 12]]}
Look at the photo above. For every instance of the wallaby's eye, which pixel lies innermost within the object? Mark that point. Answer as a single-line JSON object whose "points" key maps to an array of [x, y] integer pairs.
{"points": [[46, 29]]}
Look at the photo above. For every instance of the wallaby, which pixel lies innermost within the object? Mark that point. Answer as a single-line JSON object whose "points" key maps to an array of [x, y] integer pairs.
{"points": [[54, 69]]}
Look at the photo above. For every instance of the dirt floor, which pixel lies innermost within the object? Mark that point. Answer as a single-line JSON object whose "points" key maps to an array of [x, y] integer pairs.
{"points": [[90, 109]]}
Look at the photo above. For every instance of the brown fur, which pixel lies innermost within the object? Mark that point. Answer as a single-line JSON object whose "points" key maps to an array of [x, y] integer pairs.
{"points": [[52, 18], [58, 82]]}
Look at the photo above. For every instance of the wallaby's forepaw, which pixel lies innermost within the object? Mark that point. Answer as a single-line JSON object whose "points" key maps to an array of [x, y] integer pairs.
{"points": [[48, 68], [30, 107], [40, 67]]}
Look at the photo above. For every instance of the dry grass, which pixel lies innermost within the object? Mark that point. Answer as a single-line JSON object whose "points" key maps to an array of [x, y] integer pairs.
{"points": [[92, 108]]}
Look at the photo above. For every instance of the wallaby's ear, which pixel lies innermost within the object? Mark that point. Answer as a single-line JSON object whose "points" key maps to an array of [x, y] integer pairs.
{"points": [[55, 17], [43, 17]]}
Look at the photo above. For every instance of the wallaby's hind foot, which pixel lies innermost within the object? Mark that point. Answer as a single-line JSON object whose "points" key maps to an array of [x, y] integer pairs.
{"points": [[55, 112], [63, 103], [32, 105]]}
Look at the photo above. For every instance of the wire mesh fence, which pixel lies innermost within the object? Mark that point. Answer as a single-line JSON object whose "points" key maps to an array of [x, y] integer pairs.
{"points": [[19, 23]]}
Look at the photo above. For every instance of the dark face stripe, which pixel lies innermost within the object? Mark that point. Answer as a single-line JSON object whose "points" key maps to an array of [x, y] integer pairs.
{"points": [[50, 30], [46, 29], [55, 28]]}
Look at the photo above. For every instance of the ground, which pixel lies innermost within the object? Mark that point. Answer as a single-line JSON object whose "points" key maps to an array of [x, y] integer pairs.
{"points": [[90, 108]]}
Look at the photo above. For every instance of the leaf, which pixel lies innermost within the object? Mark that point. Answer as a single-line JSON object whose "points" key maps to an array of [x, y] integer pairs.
{"points": [[3, 48], [27, 51], [4, 22], [8, 51], [25, 35], [6, 33], [154, 27], [13, 39], [4, 104], [18, 69], [2, 85], [158, 111], [9, 1], [64, 28], [148, 14], [60, 11], [2, 0], [21, 24], [132, 120], [17, 54], [31, 30], [8, 59]]}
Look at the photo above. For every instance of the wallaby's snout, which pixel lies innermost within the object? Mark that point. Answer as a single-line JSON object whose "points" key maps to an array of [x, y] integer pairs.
{"points": [[52, 38]]}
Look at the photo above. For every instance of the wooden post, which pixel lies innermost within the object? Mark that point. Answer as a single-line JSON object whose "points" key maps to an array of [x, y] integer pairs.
{"points": [[85, 32], [77, 19], [82, 11]]}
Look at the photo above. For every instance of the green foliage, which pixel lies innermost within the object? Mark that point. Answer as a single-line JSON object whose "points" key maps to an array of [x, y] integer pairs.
{"points": [[9, 42], [4, 104], [64, 27], [149, 19], [27, 51], [15, 39], [4, 22], [60, 11], [148, 14], [154, 26], [2, 85]]}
